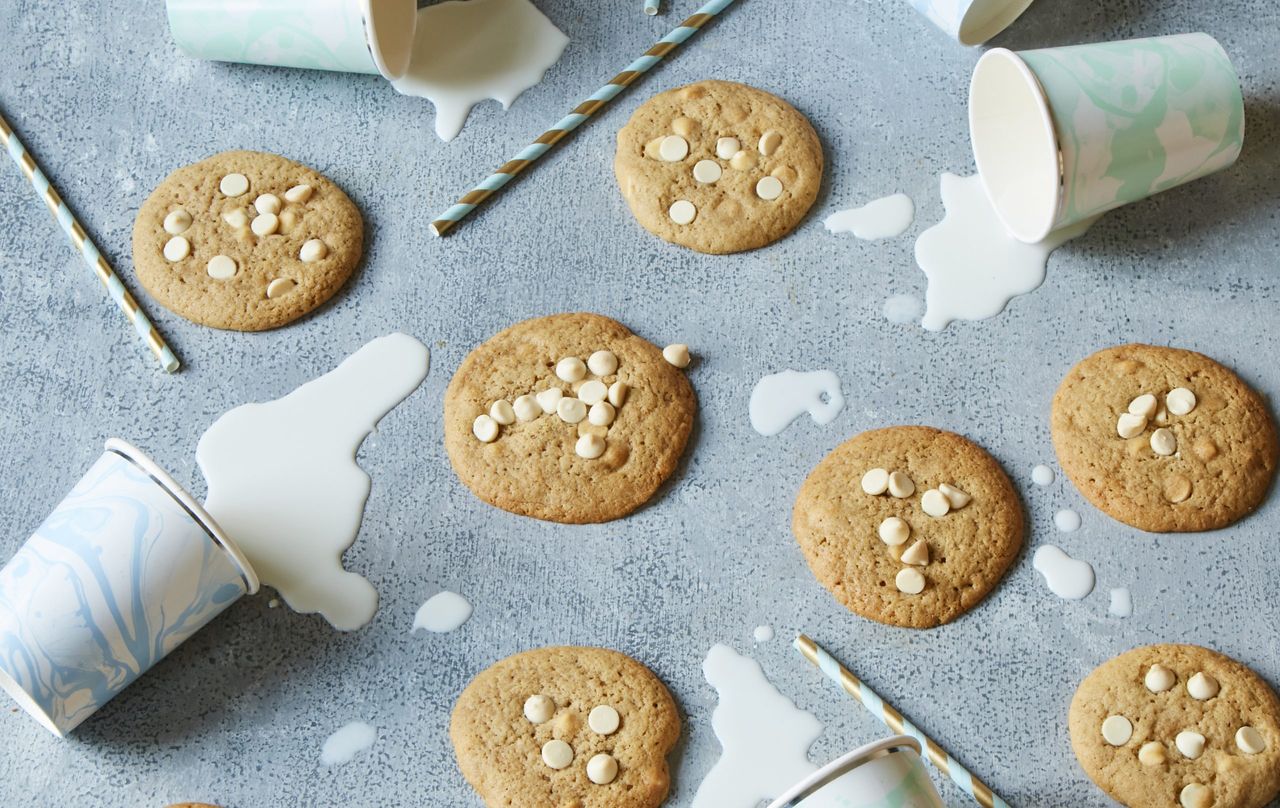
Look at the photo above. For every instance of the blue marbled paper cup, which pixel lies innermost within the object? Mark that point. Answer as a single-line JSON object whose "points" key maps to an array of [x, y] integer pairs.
{"points": [[125, 569], [885, 774], [348, 36], [971, 22]]}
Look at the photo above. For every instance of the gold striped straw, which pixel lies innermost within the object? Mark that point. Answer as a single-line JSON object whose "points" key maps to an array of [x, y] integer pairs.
{"points": [[508, 171], [894, 721], [85, 246]]}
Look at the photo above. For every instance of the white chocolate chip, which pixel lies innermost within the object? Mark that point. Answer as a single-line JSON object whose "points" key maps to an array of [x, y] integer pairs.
{"points": [[900, 485], [1152, 754], [557, 754], [571, 369], [894, 531], [935, 503], [1160, 679], [769, 188], [527, 408], [236, 217], [618, 393], [313, 250], [177, 248], [677, 354], [1163, 442], [177, 222], [875, 482], [1117, 730], [267, 203], [485, 429], [682, 211], [727, 147], [957, 498], [1180, 401], [707, 171], [910, 581], [602, 363], [1144, 405], [593, 392], [539, 709], [602, 769], [917, 554], [684, 126], [742, 160], [1162, 416], [769, 143], [601, 413], [280, 286], [603, 720], [234, 185], [589, 446], [1130, 425], [1203, 687], [298, 193], [1250, 741], [265, 224], [221, 267], [549, 400], [571, 410], [502, 412], [1190, 744], [673, 148], [1196, 796]]}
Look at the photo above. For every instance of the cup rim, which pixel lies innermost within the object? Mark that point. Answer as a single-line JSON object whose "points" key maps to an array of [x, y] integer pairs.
{"points": [[9, 685], [970, 34], [188, 503], [843, 764], [389, 27], [1051, 156]]}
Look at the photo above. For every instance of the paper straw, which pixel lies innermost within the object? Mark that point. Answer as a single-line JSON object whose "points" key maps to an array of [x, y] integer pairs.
{"points": [[85, 246], [573, 120], [893, 720], [650, 7]]}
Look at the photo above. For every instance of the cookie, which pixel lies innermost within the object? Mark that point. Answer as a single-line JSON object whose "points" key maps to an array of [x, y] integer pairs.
{"points": [[566, 728], [569, 418], [246, 241], [718, 167], [1178, 725], [1163, 439], [908, 525]]}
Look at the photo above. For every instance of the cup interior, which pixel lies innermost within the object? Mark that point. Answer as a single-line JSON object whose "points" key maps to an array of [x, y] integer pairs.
{"points": [[986, 18], [390, 29], [1015, 144]]}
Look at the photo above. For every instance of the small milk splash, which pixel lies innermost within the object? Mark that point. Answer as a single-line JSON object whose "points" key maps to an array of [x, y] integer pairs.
{"points": [[284, 483], [1065, 576], [1121, 603], [764, 737], [466, 52], [973, 265], [1067, 520], [343, 745], [779, 399], [443, 613], [1042, 475], [883, 218], [763, 634]]}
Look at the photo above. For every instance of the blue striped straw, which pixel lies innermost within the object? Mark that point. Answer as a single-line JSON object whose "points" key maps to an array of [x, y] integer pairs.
{"points": [[476, 196], [651, 7], [85, 246], [893, 719]]}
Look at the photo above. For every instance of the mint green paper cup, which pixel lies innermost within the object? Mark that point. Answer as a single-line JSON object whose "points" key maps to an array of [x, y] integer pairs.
{"points": [[1064, 134], [349, 36]]}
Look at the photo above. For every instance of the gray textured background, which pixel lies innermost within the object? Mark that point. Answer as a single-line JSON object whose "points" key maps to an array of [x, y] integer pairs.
{"points": [[237, 715]]}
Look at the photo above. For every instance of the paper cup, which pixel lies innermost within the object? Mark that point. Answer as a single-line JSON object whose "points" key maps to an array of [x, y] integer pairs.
{"points": [[1064, 134], [887, 774], [125, 569], [971, 22], [349, 36]]}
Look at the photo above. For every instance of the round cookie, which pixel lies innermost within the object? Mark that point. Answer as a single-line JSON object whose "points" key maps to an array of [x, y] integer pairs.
{"points": [[527, 731], [233, 242], [1142, 762], [1224, 450], [535, 466], [908, 525], [744, 164]]}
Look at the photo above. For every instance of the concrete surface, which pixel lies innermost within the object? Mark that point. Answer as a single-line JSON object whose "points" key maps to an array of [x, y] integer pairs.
{"points": [[237, 716]]}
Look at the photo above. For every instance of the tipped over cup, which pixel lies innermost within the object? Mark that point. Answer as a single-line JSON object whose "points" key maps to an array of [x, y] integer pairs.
{"points": [[1062, 135], [971, 22], [126, 568], [885, 774]]}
